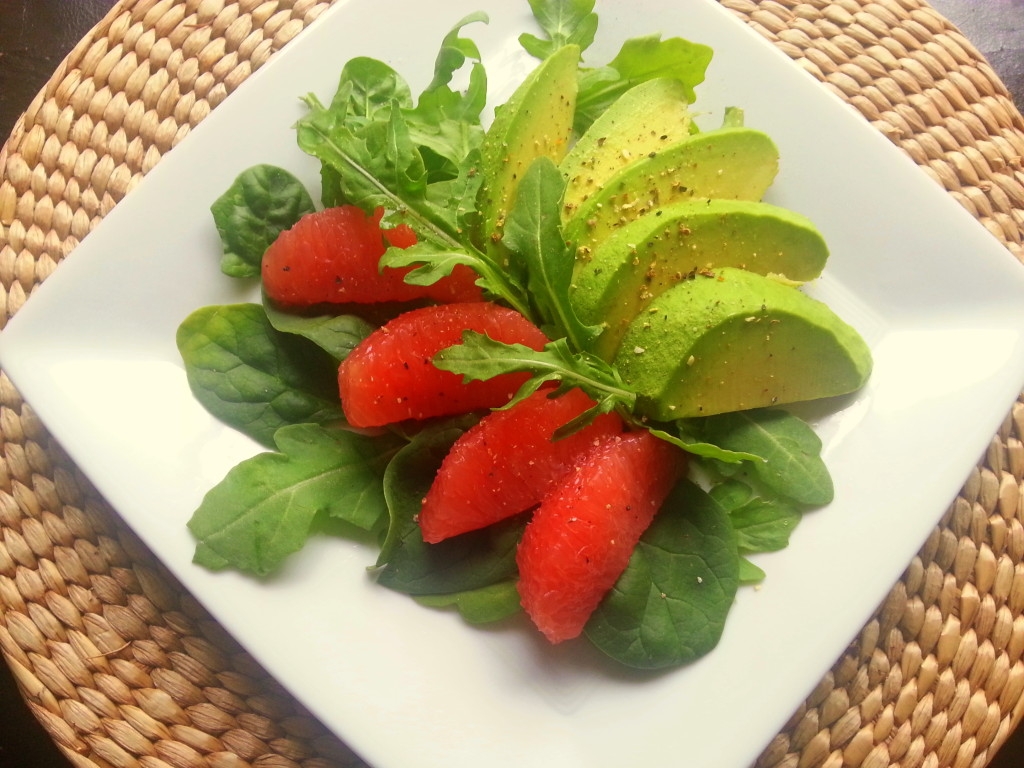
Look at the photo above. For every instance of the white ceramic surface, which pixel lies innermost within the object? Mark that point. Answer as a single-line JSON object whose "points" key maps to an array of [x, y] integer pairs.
{"points": [[938, 299]]}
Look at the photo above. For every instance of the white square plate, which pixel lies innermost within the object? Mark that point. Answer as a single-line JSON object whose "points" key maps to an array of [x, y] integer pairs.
{"points": [[939, 300]]}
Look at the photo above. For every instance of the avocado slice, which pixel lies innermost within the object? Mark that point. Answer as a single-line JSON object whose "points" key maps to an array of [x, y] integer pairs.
{"points": [[645, 119], [733, 163], [643, 258], [535, 122], [731, 340]]}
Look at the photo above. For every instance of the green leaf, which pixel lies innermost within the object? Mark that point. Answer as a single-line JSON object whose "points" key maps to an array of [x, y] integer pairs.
{"points": [[640, 59], [467, 562], [262, 511], [791, 450], [439, 98], [645, 58], [762, 525], [368, 86], [564, 22], [669, 606], [433, 262], [749, 573], [480, 357], [700, 448], [533, 235], [479, 606], [253, 377], [261, 203], [337, 335]]}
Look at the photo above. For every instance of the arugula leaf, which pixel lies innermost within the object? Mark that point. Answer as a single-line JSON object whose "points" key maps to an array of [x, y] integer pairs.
{"points": [[480, 357], [791, 450], [416, 161], [374, 164], [337, 335], [467, 562], [262, 510], [438, 98], [432, 262], [638, 60], [670, 604], [565, 22], [262, 202], [479, 606], [253, 377], [533, 235]]}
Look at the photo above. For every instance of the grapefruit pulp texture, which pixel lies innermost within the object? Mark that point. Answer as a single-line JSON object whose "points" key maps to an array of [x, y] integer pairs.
{"points": [[580, 539], [507, 462], [390, 376], [332, 256]]}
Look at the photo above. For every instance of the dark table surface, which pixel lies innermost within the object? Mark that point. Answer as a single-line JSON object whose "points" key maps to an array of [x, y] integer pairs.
{"points": [[35, 36]]}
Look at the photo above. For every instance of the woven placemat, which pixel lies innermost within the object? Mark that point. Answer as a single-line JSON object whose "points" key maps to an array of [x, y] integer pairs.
{"points": [[124, 668]]}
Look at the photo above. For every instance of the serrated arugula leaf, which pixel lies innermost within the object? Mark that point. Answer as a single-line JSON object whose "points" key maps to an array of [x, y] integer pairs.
{"points": [[417, 161], [479, 606], [438, 99], [262, 202], [431, 262], [337, 335], [792, 466], [638, 60], [262, 510], [467, 562], [480, 357], [253, 377], [375, 163], [670, 604], [564, 22], [533, 235]]}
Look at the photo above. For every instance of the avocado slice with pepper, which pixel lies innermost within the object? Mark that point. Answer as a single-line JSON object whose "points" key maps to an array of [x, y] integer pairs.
{"points": [[731, 340], [645, 257], [731, 163], [645, 119], [535, 122]]}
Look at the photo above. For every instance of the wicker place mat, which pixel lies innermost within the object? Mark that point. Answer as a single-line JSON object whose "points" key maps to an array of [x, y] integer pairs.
{"points": [[124, 668]]}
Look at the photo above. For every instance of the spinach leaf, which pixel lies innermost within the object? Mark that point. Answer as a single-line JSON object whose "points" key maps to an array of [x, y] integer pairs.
{"points": [[262, 510], [467, 562], [750, 573], [261, 203], [669, 606], [762, 524], [337, 335], [533, 235], [564, 22], [638, 60], [696, 447], [479, 606], [791, 450], [255, 378]]}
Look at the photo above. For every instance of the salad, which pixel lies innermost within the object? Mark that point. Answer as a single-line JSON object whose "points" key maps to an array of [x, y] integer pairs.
{"points": [[539, 362]]}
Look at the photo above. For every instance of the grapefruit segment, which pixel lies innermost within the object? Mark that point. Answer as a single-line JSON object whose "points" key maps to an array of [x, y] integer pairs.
{"points": [[390, 376], [332, 256], [508, 461], [580, 539]]}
